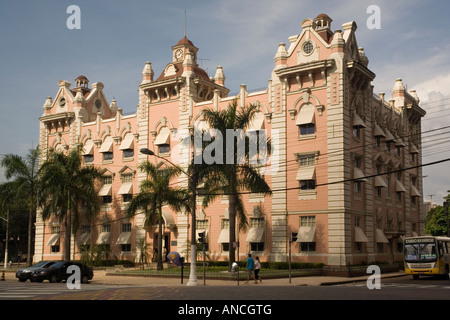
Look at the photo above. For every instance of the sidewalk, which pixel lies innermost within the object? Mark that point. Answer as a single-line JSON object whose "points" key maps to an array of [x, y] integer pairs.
{"points": [[101, 277]]}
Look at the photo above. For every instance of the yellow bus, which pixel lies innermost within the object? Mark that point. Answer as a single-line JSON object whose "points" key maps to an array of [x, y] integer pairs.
{"points": [[427, 255]]}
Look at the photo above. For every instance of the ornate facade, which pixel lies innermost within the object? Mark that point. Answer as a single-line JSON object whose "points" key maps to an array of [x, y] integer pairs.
{"points": [[347, 184]]}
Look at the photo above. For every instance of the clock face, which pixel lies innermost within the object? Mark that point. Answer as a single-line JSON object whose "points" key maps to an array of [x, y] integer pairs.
{"points": [[179, 54]]}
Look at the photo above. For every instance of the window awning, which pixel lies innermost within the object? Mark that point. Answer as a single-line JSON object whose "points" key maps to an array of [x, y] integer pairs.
{"points": [[124, 238], [414, 192], [399, 187], [360, 236], [379, 182], [105, 190], [168, 219], [224, 236], [88, 148], [257, 122], [306, 234], [358, 122], [126, 188], [127, 143], [83, 238], [378, 132], [163, 136], [54, 238], [399, 143], [413, 149], [380, 237], [306, 115], [107, 145], [256, 234], [389, 136], [306, 173], [358, 174], [103, 237]]}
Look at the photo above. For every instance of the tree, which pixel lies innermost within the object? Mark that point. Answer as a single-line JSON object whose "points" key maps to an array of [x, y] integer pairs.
{"points": [[156, 192], [436, 222], [66, 186], [238, 175], [25, 174]]}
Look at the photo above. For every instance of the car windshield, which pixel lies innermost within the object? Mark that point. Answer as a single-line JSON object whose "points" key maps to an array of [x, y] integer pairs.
{"points": [[420, 252]]}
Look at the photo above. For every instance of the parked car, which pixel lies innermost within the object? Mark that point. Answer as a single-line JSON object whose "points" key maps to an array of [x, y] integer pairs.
{"points": [[24, 274], [57, 272]]}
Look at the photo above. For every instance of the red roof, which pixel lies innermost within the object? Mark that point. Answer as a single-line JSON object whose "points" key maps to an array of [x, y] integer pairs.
{"points": [[184, 41]]}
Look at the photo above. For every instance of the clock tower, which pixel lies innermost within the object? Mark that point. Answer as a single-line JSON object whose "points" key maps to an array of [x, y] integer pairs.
{"points": [[182, 48]]}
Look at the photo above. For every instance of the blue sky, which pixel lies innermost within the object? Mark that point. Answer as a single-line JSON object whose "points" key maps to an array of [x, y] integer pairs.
{"points": [[117, 38]]}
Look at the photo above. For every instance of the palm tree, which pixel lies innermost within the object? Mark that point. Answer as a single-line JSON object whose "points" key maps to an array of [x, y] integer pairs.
{"points": [[25, 174], [233, 178], [8, 196], [156, 192], [65, 185]]}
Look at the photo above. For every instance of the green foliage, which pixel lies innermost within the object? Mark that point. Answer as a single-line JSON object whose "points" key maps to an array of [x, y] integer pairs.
{"points": [[436, 222]]}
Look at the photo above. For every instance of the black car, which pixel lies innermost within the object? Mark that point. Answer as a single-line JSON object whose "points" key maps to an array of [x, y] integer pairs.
{"points": [[57, 272], [24, 274]]}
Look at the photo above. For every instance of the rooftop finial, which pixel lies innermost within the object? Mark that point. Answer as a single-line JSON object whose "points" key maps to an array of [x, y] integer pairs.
{"points": [[185, 23]]}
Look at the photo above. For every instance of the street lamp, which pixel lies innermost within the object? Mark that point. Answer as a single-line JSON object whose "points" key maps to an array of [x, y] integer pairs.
{"points": [[193, 273]]}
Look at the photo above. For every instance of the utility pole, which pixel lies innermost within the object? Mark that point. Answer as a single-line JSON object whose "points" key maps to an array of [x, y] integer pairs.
{"points": [[446, 213], [7, 236]]}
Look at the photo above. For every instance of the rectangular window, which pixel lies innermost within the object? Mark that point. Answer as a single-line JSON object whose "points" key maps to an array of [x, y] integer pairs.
{"points": [[88, 158], [106, 228], [106, 199], [257, 246], [308, 246], [307, 160], [307, 221], [126, 227], [125, 247], [127, 198], [163, 148], [388, 146], [377, 141], [107, 156], [107, 179], [55, 248], [225, 246], [127, 178], [357, 186], [380, 247], [307, 184], [128, 153], [308, 128]]}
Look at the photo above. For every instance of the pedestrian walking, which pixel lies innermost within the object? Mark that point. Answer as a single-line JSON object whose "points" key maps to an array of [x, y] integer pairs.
{"points": [[250, 267], [257, 269]]}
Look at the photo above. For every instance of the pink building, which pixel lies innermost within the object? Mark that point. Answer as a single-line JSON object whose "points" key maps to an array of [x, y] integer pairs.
{"points": [[340, 183]]}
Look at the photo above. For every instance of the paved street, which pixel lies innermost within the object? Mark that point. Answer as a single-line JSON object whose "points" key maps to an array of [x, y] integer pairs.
{"points": [[227, 299], [104, 287]]}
